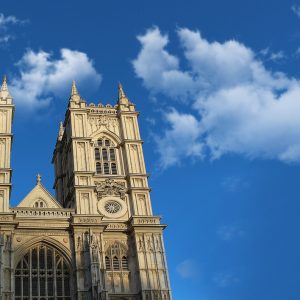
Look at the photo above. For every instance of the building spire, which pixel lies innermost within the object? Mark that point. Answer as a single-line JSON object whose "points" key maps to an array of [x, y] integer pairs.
{"points": [[4, 92]]}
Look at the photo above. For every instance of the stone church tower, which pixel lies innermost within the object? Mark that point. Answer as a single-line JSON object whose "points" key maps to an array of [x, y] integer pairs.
{"points": [[98, 238]]}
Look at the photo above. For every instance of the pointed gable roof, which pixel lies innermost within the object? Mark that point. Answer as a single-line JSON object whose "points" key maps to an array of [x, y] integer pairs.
{"points": [[41, 194]]}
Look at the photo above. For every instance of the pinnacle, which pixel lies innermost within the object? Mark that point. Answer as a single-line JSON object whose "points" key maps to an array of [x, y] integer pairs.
{"points": [[38, 179], [4, 92], [4, 84], [74, 90], [121, 92], [74, 97], [61, 131]]}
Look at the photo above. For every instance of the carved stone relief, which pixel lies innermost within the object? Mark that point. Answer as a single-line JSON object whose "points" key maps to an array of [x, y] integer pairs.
{"points": [[109, 123], [109, 187]]}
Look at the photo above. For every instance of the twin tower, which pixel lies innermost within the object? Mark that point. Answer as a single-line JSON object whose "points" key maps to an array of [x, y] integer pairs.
{"points": [[98, 238]]}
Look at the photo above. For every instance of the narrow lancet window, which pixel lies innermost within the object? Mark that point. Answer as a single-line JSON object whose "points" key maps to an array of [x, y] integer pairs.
{"points": [[105, 157]]}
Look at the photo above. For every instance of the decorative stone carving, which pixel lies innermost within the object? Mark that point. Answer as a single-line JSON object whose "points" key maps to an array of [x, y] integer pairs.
{"points": [[116, 226], [88, 220], [8, 242], [109, 187], [141, 244], [149, 245], [31, 212], [107, 122], [158, 247], [112, 207], [93, 242], [108, 243], [79, 244]]}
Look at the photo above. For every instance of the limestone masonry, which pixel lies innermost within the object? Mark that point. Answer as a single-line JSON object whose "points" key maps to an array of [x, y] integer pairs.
{"points": [[98, 238]]}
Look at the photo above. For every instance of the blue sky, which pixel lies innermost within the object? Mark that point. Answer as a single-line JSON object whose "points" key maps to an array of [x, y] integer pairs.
{"points": [[218, 87]]}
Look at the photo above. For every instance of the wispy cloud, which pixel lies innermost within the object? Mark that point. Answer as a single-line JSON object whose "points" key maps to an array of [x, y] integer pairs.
{"points": [[187, 269], [296, 9], [225, 279], [277, 56], [273, 56], [5, 23], [234, 104], [230, 232], [41, 77], [233, 183]]}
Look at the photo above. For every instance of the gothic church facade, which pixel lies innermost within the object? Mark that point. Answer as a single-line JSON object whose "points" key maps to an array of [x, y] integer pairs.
{"points": [[97, 238]]}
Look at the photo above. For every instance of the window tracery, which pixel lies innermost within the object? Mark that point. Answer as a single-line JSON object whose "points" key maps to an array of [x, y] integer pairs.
{"points": [[105, 157], [42, 273], [116, 258]]}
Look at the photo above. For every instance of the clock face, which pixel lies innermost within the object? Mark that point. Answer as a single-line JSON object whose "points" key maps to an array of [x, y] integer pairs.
{"points": [[112, 207]]}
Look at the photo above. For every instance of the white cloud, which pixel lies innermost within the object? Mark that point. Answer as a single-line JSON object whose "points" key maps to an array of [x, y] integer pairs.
{"points": [[187, 269], [5, 23], [225, 279], [158, 68], [296, 9], [277, 56], [239, 106], [42, 77], [273, 56], [229, 232], [180, 140], [234, 183]]}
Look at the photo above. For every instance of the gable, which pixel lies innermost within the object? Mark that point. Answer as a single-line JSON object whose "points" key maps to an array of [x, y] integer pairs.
{"points": [[39, 197]]}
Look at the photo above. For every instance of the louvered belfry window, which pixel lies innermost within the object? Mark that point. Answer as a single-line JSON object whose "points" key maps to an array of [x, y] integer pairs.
{"points": [[116, 258], [42, 274], [105, 157]]}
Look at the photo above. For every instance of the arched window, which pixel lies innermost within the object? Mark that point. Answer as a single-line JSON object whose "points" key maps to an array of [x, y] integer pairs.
{"points": [[107, 263], [124, 263], [116, 264], [97, 154], [39, 204], [42, 273], [116, 257], [105, 157], [98, 168]]}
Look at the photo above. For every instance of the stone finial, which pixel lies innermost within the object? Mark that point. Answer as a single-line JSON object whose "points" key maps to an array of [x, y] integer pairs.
{"points": [[74, 90], [61, 131], [122, 99], [123, 102], [75, 97], [38, 179], [4, 92], [121, 92]]}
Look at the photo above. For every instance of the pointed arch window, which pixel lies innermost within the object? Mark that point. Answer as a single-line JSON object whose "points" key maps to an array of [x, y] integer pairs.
{"points": [[107, 263], [105, 157], [124, 263], [42, 273], [116, 258]]}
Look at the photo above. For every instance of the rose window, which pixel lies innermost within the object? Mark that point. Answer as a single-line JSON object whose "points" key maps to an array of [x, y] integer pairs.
{"points": [[112, 207]]}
